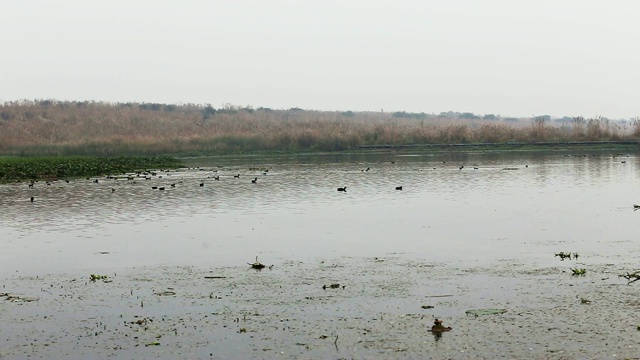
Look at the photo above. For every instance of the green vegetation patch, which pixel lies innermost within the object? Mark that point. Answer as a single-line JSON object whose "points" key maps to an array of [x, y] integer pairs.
{"points": [[22, 169]]}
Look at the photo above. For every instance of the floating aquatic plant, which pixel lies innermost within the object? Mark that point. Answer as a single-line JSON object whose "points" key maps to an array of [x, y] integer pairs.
{"points": [[567, 255], [94, 277], [578, 271], [631, 277]]}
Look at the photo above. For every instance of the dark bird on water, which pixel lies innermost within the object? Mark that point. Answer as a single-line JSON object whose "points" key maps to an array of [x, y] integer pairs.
{"points": [[236, 176], [398, 187], [32, 199], [254, 180], [342, 189], [173, 185], [635, 207], [201, 184]]}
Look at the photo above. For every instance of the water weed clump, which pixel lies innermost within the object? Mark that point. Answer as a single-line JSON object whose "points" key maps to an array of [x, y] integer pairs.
{"points": [[567, 255], [631, 277], [578, 271], [53, 168]]}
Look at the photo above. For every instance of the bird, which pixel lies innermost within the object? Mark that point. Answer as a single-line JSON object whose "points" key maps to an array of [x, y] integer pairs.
{"points": [[254, 180], [161, 188], [154, 187], [201, 184], [342, 189], [635, 207], [32, 199], [236, 176], [173, 185], [398, 187], [113, 190], [95, 181]]}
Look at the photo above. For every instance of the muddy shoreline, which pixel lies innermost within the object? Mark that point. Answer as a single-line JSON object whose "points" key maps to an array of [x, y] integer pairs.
{"points": [[383, 309]]}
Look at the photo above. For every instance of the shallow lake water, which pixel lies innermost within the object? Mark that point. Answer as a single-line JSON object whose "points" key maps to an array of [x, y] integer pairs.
{"points": [[460, 224], [516, 207]]}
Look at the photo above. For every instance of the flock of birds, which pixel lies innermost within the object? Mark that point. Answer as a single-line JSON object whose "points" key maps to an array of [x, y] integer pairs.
{"points": [[147, 175]]}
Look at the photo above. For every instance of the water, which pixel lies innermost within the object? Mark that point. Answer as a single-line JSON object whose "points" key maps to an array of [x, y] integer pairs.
{"points": [[454, 239], [519, 208]]}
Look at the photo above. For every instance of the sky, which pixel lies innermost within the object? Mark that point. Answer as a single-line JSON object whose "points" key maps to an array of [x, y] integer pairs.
{"points": [[505, 57]]}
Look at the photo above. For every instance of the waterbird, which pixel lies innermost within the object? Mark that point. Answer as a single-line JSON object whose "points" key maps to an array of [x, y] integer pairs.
{"points": [[201, 184], [254, 180], [461, 167], [236, 176], [113, 190], [161, 188], [342, 189], [173, 185], [398, 187], [154, 187], [635, 207], [32, 199]]}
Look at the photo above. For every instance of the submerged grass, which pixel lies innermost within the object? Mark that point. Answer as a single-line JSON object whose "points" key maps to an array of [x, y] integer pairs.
{"points": [[51, 168]]}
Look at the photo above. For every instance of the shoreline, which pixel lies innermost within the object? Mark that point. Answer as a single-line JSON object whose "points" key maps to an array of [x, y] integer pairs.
{"points": [[383, 308]]}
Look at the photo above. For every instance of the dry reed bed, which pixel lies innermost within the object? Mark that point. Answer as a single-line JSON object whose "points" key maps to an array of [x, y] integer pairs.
{"points": [[97, 128]]}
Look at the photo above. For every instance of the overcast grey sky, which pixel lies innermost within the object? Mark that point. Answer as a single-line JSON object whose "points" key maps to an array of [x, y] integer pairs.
{"points": [[506, 57]]}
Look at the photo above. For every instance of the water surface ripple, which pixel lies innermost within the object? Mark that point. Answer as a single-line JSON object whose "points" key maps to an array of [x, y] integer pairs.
{"points": [[471, 208]]}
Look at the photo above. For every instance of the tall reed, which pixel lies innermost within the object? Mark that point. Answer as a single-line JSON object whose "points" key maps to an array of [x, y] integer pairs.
{"points": [[49, 127]]}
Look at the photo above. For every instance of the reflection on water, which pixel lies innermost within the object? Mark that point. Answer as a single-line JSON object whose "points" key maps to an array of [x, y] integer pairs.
{"points": [[520, 207]]}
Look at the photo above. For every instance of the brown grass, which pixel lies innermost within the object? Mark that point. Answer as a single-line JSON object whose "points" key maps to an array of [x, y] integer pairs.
{"points": [[96, 128]]}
